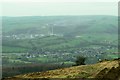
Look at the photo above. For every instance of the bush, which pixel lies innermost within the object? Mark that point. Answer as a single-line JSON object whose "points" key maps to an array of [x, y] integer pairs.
{"points": [[80, 60]]}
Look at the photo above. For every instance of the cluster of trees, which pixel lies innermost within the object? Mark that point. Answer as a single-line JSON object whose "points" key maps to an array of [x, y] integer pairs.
{"points": [[29, 68]]}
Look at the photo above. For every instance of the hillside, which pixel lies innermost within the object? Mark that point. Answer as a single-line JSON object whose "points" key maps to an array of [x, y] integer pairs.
{"points": [[66, 25], [28, 31], [105, 69]]}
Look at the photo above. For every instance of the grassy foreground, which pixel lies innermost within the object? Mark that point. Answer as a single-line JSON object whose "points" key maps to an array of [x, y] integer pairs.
{"points": [[99, 70]]}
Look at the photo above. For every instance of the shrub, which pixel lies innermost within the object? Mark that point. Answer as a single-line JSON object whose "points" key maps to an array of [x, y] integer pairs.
{"points": [[80, 60]]}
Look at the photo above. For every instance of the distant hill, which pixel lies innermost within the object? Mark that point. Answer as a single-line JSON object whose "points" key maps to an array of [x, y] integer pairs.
{"points": [[66, 25], [106, 70], [18, 31]]}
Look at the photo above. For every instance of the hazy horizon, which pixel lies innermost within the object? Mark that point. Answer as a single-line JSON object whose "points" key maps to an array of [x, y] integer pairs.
{"points": [[58, 15], [13, 9]]}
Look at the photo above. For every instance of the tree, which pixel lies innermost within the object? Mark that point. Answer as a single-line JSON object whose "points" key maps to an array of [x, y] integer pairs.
{"points": [[80, 60]]}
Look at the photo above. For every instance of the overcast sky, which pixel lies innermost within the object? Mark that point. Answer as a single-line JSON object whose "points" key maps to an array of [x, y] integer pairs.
{"points": [[58, 8]]}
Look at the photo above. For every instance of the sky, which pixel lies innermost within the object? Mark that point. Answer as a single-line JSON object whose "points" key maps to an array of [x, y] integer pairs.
{"points": [[47, 8], [60, 1]]}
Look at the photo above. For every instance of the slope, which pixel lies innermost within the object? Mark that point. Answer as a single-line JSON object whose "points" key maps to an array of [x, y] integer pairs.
{"points": [[83, 71]]}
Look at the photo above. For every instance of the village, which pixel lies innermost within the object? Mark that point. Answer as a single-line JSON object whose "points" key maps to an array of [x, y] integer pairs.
{"points": [[29, 36], [94, 54]]}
